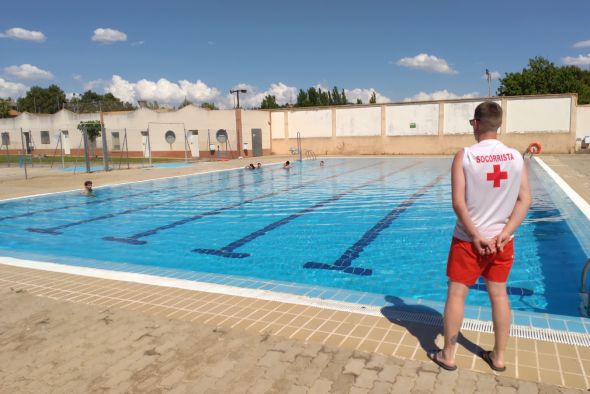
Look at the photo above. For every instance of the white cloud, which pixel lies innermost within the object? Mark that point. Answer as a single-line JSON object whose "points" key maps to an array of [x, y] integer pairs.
{"points": [[108, 36], [97, 84], [77, 77], [493, 74], [137, 43], [427, 62], [12, 89], [581, 60], [440, 95], [582, 44], [27, 71], [364, 95], [18, 33], [253, 98], [163, 91]]}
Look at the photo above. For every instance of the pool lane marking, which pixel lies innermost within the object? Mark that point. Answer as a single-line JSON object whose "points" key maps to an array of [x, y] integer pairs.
{"points": [[344, 262], [54, 230], [123, 196], [92, 202], [134, 239], [511, 290], [228, 250]]}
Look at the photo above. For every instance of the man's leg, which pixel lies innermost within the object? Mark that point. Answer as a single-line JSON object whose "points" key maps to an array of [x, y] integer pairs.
{"points": [[501, 319], [453, 318]]}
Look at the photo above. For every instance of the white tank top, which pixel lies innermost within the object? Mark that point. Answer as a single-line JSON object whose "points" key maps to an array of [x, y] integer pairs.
{"points": [[492, 182]]}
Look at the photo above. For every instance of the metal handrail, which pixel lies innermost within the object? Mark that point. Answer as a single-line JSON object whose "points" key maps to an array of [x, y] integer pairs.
{"points": [[299, 146], [585, 294]]}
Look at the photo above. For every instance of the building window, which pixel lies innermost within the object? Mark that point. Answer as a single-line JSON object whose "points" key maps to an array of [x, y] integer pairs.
{"points": [[45, 137], [5, 138], [170, 137], [116, 140]]}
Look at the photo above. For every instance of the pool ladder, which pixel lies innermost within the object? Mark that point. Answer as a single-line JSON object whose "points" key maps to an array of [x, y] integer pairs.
{"points": [[585, 291], [310, 155]]}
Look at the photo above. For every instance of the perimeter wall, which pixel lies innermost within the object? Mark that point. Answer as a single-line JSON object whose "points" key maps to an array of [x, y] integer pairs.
{"points": [[437, 127], [434, 127]]}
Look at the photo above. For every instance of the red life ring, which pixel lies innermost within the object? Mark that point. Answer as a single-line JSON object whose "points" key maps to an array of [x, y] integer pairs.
{"points": [[534, 148]]}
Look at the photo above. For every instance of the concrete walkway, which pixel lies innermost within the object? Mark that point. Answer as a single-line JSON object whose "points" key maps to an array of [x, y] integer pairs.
{"points": [[48, 346]]}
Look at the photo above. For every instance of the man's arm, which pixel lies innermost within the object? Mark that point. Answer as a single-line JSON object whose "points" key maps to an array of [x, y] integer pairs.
{"points": [[482, 245], [521, 207]]}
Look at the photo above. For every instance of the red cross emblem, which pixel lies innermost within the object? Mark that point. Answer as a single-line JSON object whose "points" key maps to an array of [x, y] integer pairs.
{"points": [[497, 175]]}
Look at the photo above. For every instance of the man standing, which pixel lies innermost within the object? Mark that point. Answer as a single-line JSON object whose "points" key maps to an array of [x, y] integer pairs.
{"points": [[490, 198]]}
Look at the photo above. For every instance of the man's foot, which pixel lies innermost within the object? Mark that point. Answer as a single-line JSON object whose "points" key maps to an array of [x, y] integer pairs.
{"points": [[436, 357], [486, 355]]}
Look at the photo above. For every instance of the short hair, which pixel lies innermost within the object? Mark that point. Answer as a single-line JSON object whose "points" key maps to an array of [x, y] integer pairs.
{"points": [[489, 115], [87, 183]]}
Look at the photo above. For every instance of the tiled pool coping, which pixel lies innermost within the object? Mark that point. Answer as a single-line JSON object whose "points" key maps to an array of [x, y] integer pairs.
{"points": [[541, 326]]}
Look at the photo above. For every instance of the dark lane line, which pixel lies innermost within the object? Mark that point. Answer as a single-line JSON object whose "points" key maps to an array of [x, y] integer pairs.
{"points": [[96, 201], [344, 262], [134, 239], [228, 250], [55, 230]]}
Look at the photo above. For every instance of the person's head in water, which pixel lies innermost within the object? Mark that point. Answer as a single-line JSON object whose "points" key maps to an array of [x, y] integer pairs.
{"points": [[487, 118], [322, 163], [252, 166], [287, 164], [258, 165], [88, 187]]}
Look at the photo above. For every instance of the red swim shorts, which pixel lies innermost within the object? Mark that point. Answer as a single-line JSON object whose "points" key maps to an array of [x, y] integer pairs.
{"points": [[465, 265]]}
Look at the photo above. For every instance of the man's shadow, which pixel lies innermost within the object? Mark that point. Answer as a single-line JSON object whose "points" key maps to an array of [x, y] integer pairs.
{"points": [[422, 322]]}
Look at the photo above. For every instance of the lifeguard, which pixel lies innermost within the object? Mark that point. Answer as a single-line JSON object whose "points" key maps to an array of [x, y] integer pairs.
{"points": [[491, 198]]}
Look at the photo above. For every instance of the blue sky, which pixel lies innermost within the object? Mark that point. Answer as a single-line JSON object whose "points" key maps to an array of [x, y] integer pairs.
{"points": [[166, 51]]}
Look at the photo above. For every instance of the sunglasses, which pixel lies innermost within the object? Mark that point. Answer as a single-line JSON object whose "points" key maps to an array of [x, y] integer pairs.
{"points": [[472, 121]]}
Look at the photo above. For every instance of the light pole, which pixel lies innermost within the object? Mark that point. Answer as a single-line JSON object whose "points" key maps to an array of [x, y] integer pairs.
{"points": [[238, 91], [489, 78]]}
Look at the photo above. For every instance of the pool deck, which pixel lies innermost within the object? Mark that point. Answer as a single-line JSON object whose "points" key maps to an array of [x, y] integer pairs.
{"points": [[69, 333]]}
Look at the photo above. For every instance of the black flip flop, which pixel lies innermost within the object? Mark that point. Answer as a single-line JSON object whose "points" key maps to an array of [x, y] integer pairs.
{"points": [[433, 355], [487, 357]]}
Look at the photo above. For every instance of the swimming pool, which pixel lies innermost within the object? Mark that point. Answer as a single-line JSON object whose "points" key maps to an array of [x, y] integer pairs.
{"points": [[374, 225]]}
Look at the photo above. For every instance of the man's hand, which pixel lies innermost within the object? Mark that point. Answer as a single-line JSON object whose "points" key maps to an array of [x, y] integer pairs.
{"points": [[484, 246], [501, 240]]}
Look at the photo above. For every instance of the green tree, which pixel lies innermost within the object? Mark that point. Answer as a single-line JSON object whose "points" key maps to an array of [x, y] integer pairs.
{"points": [[324, 97], [92, 129], [336, 100], [91, 101], [359, 101], [302, 99], [4, 108], [184, 103], [373, 99], [269, 102], [543, 77], [207, 105], [42, 100], [313, 97]]}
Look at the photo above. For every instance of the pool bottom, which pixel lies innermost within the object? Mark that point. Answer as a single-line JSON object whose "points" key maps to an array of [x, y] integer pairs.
{"points": [[530, 325]]}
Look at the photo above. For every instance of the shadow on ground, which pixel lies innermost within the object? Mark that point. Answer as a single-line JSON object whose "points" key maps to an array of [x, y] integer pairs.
{"points": [[423, 322]]}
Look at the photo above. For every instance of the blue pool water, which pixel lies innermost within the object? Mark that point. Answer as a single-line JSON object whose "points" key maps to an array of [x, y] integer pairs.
{"points": [[380, 226]]}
